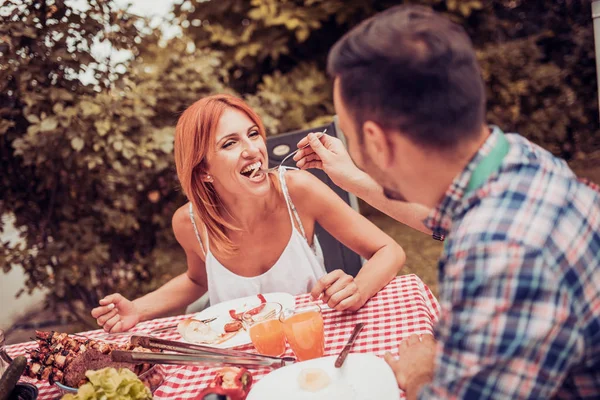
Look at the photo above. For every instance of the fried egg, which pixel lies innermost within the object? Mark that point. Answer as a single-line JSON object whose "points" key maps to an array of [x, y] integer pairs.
{"points": [[313, 379], [317, 384], [197, 331]]}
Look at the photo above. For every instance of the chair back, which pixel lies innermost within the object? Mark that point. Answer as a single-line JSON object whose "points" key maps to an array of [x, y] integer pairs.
{"points": [[337, 256]]}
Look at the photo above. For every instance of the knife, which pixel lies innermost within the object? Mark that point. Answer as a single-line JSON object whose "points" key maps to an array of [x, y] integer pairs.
{"points": [[344, 353], [137, 357]]}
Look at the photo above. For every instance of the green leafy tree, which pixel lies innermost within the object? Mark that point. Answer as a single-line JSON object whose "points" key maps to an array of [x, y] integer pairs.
{"points": [[537, 58], [45, 46], [87, 168], [539, 65]]}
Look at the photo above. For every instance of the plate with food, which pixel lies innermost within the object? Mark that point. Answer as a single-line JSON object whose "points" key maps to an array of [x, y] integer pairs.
{"points": [[220, 326], [363, 376], [65, 361]]}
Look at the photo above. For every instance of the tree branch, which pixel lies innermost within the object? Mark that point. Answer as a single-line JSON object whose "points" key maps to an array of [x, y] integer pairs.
{"points": [[44, 224]]}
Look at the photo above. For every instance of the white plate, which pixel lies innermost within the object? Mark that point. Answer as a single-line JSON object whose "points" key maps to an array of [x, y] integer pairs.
{"points": [[221, 312], [362, 377]]}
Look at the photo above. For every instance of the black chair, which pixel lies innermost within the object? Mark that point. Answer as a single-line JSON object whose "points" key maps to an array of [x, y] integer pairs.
{"points": [[337, 256]]}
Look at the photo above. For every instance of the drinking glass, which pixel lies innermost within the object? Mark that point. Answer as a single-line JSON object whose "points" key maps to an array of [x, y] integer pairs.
{"points": [[303, 328], [265, 329]]}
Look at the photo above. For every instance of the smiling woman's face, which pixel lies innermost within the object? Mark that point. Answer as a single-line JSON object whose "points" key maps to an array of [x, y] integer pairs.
{"points": [[238, 149]]}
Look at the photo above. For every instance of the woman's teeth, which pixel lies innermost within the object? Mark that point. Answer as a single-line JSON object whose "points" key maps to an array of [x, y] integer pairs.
{"points": [[250, 168]]}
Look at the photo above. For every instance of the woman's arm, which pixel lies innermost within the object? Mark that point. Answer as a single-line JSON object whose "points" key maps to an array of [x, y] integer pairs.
{"points": [[184, 289], [117, 314], [384, 256]]}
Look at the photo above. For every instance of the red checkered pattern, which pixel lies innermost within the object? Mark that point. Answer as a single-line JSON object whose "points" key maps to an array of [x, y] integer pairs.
{"points": [[403, 307]]}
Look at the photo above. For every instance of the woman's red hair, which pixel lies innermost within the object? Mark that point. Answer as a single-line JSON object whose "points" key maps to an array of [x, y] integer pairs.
{"points": [[194, 137]]}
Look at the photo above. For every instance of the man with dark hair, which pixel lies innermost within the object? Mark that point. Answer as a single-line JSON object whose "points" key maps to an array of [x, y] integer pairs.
{"points": [[520, 271]]}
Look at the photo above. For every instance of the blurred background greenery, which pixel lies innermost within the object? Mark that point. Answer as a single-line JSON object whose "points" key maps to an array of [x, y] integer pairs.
{"points": [[86, 140]]}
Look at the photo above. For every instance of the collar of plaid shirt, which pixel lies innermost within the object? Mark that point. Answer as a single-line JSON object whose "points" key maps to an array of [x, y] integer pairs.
{"points": [[489, 156]]}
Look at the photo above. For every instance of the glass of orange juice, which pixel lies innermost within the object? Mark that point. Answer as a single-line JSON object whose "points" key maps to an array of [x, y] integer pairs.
{"points": [[303, 328], [265, 329]]}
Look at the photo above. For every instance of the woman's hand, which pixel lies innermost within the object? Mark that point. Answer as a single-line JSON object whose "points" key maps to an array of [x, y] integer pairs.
{"points": [[339, 291], [116, 314]]}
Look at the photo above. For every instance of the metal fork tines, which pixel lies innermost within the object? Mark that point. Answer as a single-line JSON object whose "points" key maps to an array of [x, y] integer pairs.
{"points": [[269, 315], [266, 171]]}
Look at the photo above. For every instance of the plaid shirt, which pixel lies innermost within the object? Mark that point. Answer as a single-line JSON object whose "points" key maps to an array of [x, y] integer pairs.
{"points": [[519, 282]]}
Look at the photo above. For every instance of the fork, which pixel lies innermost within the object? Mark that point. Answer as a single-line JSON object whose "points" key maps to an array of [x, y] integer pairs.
{"points": [[266, 171], [268, 315], [109, 335], [168, 328]]}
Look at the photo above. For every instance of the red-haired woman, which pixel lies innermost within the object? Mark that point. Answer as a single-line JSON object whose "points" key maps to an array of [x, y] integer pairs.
{"points": [[244, 234]]}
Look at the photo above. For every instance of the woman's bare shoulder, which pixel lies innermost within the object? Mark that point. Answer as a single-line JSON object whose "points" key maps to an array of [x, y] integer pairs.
{"points": [[305, 189], [185, 233], [301, 182], [182, 224]]}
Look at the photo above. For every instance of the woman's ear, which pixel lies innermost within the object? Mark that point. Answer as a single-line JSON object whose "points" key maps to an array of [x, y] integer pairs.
{"points": [[207, 178]]}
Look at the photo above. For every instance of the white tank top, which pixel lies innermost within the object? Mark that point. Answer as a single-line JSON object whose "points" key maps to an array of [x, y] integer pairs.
{"points": [[296, 271]]}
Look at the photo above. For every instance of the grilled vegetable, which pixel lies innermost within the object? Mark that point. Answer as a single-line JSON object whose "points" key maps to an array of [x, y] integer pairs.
{"points": [[232, 382], [11, 376]]}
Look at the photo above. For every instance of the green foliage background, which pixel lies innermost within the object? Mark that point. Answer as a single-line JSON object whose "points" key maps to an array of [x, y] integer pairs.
{"points": [[87, 169]]}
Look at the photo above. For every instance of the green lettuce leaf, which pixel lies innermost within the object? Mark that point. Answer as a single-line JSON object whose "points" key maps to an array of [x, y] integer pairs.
{"points": [[110, 384]]}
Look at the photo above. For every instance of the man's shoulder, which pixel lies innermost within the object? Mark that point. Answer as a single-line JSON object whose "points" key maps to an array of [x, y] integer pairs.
{"points": [[527, 156], [508, 215], [531, 195], [536, 203]]}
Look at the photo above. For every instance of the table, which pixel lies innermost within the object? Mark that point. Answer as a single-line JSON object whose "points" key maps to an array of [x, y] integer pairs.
{"points": [[405, 306]]}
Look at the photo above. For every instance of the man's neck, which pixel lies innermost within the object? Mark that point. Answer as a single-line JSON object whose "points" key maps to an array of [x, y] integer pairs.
{"points": [[446, 166], [465, 155]]}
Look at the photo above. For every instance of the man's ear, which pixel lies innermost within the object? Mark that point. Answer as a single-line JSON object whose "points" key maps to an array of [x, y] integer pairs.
{"points": [[377, 145]]}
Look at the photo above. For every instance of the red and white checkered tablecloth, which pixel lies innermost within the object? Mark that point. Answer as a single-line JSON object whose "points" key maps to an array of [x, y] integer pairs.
{"points": [[405, 306]]}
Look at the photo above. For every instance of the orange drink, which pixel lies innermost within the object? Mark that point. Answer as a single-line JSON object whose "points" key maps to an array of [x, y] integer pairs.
{"points": [[265, 329], [304, 332]]}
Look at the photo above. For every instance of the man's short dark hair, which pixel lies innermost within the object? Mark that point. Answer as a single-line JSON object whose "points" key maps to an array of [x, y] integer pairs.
{"points": [[411, 69]]}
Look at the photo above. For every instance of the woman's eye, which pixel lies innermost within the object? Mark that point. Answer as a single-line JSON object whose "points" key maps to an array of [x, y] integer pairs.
{"points": [[228, 144], [253, 133]]}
